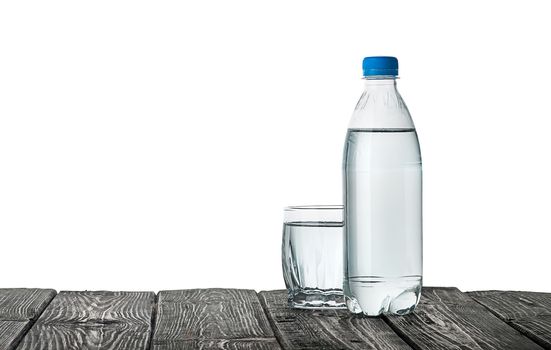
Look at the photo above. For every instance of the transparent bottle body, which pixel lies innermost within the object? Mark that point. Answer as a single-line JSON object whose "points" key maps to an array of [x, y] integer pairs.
{"points": [[382, 204]]}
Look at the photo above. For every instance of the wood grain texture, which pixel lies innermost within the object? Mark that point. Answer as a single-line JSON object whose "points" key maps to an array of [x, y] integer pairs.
{"points": [[19, 308], [211, 318], [21, 304], [11, 333], [529, 312], [446, 318], [93, 320], [326, 329], [221, 344]]}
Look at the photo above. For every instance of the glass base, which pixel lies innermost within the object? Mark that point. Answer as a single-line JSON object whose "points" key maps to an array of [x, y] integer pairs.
{"points": [[316, 299]]}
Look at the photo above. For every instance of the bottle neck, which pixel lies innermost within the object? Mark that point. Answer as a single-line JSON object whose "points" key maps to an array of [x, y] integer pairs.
{"points": [[380, 82]]}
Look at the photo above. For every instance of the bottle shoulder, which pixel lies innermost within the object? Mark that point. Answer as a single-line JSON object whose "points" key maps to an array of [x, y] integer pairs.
{"points": [[381, 110]]}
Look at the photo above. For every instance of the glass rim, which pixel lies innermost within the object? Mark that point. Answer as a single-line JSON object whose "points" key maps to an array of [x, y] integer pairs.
{"points": [[313, 213], [314, 207]]}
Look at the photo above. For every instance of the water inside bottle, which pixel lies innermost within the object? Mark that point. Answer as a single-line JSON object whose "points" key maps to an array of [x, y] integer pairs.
{"points": [[383, 221]]}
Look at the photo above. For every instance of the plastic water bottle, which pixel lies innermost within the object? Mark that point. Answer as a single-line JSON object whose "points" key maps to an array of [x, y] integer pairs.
{"points": [[383, 199]]}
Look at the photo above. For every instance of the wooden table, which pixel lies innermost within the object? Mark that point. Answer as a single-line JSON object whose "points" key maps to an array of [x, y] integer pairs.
{"points": [[238, 319]]}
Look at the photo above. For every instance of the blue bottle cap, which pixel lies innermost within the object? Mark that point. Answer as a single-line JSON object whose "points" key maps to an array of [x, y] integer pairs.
{"points": [[380, 65]]}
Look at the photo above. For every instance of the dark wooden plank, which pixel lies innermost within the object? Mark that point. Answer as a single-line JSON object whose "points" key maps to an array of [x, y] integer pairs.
{"points": [[529, 312], [19, 308], [22, 304], [221, 344], [93, 320], [446, 318], [11, 333], [211, 319], [326, 329]]}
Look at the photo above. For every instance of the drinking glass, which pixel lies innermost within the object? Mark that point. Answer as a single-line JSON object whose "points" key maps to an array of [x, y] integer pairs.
{"points": [[312, 256]]}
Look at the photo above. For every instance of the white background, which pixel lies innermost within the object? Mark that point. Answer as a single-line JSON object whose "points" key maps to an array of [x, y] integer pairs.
{"points": [[153, 145]]}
